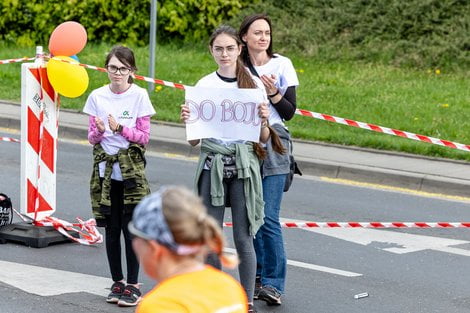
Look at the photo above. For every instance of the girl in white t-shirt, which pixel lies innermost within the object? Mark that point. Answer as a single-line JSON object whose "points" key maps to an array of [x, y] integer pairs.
{"points": [[280, 80], [119, 128], [239, 185]]}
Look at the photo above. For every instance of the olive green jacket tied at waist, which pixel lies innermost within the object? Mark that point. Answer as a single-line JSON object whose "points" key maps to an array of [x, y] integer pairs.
{"points": [[248, 169], [132, 164]]}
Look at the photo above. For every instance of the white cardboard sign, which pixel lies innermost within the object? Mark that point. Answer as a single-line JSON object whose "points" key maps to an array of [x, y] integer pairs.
{"points": [[223, 113]]}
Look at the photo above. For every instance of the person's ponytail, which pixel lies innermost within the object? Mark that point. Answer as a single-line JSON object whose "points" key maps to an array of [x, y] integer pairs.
{"points": [[276, 141], [214, 240]]}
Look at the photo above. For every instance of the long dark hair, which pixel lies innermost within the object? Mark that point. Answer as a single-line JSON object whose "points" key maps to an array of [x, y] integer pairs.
{"points": [[244, 79], [125, 56], [243, 30], [245, 56]]}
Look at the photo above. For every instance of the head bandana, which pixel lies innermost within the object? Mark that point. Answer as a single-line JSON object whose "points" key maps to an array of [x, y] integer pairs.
{"points": [[148, 222]]}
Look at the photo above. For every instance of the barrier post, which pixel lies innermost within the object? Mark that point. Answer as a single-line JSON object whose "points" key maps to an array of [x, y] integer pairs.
{"points": [[38, 141], [39, 129]]}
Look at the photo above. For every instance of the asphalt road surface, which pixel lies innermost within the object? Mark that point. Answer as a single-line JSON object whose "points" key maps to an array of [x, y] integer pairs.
{"points": [[406, 270]]}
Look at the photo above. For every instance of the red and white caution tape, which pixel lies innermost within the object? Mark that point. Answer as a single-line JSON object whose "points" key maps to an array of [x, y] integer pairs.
{"points": [[370, 224], [321, 116], [88, 234], [325, 117], [385, 130], [87, 230], [8, 61], [139, 77], [9, 139]]}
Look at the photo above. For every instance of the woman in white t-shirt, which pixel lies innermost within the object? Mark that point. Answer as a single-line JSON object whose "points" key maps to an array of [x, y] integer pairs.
{"points": [[228, 172], [119, 128], [280, 80]]}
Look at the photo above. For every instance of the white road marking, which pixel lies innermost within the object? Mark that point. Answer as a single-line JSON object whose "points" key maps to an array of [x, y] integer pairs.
{"points": [[45, 281], [313, 267], [391, 241], [322, 269]]}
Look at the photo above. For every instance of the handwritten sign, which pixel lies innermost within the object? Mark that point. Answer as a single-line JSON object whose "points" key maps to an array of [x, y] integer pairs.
{"points": [[223, 113]]}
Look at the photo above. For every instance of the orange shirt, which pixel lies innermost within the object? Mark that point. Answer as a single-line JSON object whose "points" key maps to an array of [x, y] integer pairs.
{"points": [[205, 291]]}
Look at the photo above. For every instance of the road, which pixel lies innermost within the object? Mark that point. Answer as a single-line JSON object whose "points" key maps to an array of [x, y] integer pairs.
{"points": [[411, 270]]}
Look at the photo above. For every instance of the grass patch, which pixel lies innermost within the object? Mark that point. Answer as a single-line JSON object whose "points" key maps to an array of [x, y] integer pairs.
{"points": [[426, 102]]}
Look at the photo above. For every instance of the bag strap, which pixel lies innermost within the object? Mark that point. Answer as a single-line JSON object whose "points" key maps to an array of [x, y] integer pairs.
{"points": [[252, 68]]}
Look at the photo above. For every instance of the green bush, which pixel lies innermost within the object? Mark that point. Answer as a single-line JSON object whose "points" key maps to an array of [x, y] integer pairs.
{"points": [[194, 19], [31, 22], [28, 23], [423, 33]]}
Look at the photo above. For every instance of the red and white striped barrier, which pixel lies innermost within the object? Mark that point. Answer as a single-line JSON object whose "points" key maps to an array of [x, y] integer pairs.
{"points": [[39, 104], [370, 224], [8, 61]]}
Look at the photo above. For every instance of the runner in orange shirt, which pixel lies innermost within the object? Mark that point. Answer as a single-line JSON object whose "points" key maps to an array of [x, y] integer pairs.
{"points": [[173, 233]]}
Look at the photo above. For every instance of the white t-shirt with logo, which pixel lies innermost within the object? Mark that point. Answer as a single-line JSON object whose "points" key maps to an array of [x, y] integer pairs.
{"points": [[125, 107], [214, 81], [286, 76]]}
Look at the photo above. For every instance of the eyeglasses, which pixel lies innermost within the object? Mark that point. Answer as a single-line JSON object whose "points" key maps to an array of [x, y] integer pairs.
{"points": [[220, 50], [114, 69]]}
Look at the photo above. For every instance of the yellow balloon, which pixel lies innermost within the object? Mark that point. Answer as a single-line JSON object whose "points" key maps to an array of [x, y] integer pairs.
{"points": [[68, 79]]}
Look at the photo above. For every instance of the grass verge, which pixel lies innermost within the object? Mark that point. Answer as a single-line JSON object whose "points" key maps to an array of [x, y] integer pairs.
{"points": [[429, 102]]}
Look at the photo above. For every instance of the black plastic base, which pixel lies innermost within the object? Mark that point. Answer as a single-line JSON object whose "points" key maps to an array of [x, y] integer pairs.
{"points": [[32, 236]]}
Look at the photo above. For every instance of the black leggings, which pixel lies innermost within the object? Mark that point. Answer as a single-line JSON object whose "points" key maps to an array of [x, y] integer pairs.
{"points": [[116, 222]]}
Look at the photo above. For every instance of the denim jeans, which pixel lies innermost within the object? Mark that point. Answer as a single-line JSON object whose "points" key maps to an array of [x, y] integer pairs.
{"points": [[269, 245]]}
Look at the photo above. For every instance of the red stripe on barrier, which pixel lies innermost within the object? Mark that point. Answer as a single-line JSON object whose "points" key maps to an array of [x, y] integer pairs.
{"points": [[33, 130], [48, 150], [32, 195], [46, 85]]}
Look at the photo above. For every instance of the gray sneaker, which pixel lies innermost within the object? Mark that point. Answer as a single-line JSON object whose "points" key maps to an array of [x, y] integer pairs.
{"points": [[131, 296], [270, 295], [116, 292]]}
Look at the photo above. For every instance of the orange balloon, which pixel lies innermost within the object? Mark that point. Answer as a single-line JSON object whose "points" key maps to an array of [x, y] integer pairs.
{"points": [[67, 39]]}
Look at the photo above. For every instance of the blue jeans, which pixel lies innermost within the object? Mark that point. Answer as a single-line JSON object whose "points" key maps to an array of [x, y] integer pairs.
{"points": [[269, 245]]}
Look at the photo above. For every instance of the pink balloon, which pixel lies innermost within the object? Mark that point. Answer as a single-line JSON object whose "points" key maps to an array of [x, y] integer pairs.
{"points": [[67, 39]]}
